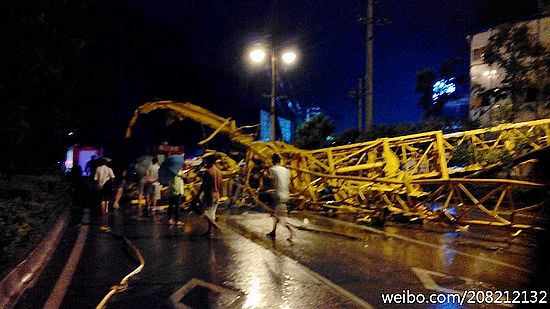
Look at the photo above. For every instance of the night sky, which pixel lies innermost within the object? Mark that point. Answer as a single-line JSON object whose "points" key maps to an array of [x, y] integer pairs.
{"points": [[214, 35], [85, 65]]}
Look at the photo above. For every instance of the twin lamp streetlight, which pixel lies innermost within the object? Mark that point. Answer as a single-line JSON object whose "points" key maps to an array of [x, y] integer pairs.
{"points": [[258, 55]]}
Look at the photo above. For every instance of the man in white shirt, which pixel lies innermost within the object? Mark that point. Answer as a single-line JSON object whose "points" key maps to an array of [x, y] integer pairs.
{"points": [[152, 187], [103, 178], [280, 179]]}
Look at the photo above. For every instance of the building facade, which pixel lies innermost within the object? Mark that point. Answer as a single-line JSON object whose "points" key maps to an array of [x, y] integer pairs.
{"points": [[490, 77]]}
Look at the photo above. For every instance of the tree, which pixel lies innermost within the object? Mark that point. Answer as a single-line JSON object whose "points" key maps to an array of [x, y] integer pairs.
{"points": [[434, 123], [432, 103], [313, 133], [47, 82], [424, 85], [348, 136], [524, 63]]}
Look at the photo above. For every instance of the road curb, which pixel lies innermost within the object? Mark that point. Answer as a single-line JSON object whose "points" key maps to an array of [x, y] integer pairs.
{"points": [[232, 222], [25, 275], [362, 232], [316, 224], [338, 226]]}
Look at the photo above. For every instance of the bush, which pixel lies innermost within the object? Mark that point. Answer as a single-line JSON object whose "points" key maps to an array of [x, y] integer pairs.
{"points": [[14, 225], [463, 155], [313, 133], [28, 207]]}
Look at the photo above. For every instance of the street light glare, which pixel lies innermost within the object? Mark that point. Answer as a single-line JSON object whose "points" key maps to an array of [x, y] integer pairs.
{"points": [[289, 57], [257, 55]]}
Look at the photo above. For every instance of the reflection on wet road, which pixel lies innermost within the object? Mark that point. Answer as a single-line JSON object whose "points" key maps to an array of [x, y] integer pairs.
{"points": [[263, 279], [381, 264], [241, 268]]}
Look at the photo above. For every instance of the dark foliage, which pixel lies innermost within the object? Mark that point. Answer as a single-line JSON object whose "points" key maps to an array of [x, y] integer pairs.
{"points": [[524, 63], [424, 85], [28, 207], [425, 80], [48, 82], [313, 133]]}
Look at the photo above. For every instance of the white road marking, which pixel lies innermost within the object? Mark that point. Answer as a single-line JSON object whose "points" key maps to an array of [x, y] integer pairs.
{"points": [[178, 295], [331, 284], [426, 277], [58, 293], [335, 287]]}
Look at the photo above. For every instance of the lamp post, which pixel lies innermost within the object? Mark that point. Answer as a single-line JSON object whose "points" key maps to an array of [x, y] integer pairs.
{"points": [[258, 55]]}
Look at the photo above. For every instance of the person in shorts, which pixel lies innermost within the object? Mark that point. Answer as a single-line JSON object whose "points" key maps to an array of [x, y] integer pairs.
{"points": [[280, 179], [103, 178], [152, 187], [211, 188], [120, 189]]}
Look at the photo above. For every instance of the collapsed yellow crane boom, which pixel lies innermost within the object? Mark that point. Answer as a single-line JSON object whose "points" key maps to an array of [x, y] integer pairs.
{"points": [[197, 114], [392, 172]]}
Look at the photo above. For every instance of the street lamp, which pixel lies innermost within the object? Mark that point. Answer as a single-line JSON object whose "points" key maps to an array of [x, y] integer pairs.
{"points": [[289, 57], [258, 55]]}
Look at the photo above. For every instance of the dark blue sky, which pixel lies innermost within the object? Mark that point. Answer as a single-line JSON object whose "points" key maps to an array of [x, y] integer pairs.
{"points": [[214, 34]]}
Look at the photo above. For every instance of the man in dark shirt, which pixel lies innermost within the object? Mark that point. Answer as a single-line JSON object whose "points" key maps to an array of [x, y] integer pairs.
{"points": [[91, 166]]}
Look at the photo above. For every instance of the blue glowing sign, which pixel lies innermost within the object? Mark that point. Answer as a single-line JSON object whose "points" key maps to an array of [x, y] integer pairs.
{"points": [[285, 126], [443, 86], [265, 125]]}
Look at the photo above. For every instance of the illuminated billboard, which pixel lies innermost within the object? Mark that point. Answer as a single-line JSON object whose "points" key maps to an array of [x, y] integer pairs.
{"points": [[442, 87]]}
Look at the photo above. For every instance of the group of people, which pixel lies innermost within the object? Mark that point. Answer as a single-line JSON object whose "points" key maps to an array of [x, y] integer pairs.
{"points": [[210, 190], [151, 189]]}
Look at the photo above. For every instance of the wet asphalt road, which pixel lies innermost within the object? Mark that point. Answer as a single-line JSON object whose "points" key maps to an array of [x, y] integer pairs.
{"points": [[318, 270]]}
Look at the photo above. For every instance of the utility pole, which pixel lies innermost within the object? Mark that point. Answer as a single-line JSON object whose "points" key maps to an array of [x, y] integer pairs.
{"points": [[272, 113], [360, 104], [369, 64], [358, 94]]}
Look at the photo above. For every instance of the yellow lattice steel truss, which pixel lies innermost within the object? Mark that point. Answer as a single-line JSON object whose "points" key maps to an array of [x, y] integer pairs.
{"points": [[412, 175]]}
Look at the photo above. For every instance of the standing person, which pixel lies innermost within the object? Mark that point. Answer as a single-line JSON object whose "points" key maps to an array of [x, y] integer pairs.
{"points": [[120, 189], [91, 166], [152, 187], [280, 179], [211, 188], [142, 193], [76, 181], [103, 178], [76, 177], [175, 198], [238, 185]]}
